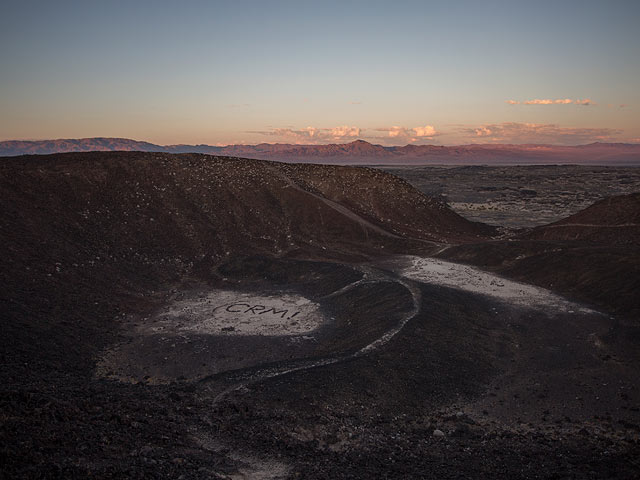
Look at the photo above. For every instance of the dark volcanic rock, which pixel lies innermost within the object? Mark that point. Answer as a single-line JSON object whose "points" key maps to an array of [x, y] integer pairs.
{"points": [[614, 220], [592, 256], [90, 235], [98, 247]]}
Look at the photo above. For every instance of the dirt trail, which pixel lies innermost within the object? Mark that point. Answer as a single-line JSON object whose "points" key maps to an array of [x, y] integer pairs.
{"points": [[350, 214], [370, 275], [421, 270]]}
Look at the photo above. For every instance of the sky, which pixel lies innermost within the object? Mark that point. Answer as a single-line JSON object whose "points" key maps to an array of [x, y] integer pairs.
{"points": [[394, 73]]}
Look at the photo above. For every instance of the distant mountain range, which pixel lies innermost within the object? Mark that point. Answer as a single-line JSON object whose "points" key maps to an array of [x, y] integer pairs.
{"points": [[357, 152]]}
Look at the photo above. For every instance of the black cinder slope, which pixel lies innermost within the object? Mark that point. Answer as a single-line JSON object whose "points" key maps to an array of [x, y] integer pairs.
{"points": [[592, 256], [81, 230]]}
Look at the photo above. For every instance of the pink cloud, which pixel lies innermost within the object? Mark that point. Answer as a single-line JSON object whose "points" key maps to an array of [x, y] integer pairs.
{"points": [[344, 131], [426, 131], [313, 135], [511, 132], [483, 132], [395, 131], [538, 102], [397, 134], [549, 101]]}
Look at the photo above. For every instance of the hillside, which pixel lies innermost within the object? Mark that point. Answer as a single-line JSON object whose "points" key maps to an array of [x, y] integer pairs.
{"points": [[80, 228], [188, 315], [356, 152], [614, 220], [592, 256], [99, 144]]}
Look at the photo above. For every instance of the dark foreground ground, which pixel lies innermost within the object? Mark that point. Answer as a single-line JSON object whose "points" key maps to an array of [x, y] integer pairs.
{"points": [[516, 392], [404, 378]]}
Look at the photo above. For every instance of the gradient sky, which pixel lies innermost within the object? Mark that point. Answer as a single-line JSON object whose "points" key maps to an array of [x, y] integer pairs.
{"points": [[399, 72]]}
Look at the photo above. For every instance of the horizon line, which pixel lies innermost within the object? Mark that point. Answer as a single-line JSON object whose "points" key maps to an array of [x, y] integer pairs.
{"points": [[316, 144]]}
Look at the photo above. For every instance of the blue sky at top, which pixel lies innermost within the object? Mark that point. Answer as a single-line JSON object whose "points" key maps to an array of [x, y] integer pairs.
{"points": [[318, 72]]}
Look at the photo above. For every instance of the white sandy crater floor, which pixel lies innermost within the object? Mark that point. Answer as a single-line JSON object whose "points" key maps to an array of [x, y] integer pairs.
{"points": [[225, 312], [470, 279]]}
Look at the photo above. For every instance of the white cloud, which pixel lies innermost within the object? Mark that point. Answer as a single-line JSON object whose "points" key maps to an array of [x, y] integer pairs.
{"points": [[426, 131], [395, 131], [549, 101], [397, 134], [483, 132], [314, 135], [546, 101], [512, 132], [344, 131]]}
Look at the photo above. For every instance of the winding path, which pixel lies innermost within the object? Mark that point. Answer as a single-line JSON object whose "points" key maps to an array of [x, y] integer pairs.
{"points": [[370, 275], [421, 270]]}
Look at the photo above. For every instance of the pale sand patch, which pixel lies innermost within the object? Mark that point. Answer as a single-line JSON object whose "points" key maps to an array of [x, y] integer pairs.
{"points": [[470, 279], [462, 206], [250, 466], [225, 312]]}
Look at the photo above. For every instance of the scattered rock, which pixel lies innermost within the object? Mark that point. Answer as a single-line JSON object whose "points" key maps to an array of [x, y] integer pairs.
{"points": [[146, 450]]}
